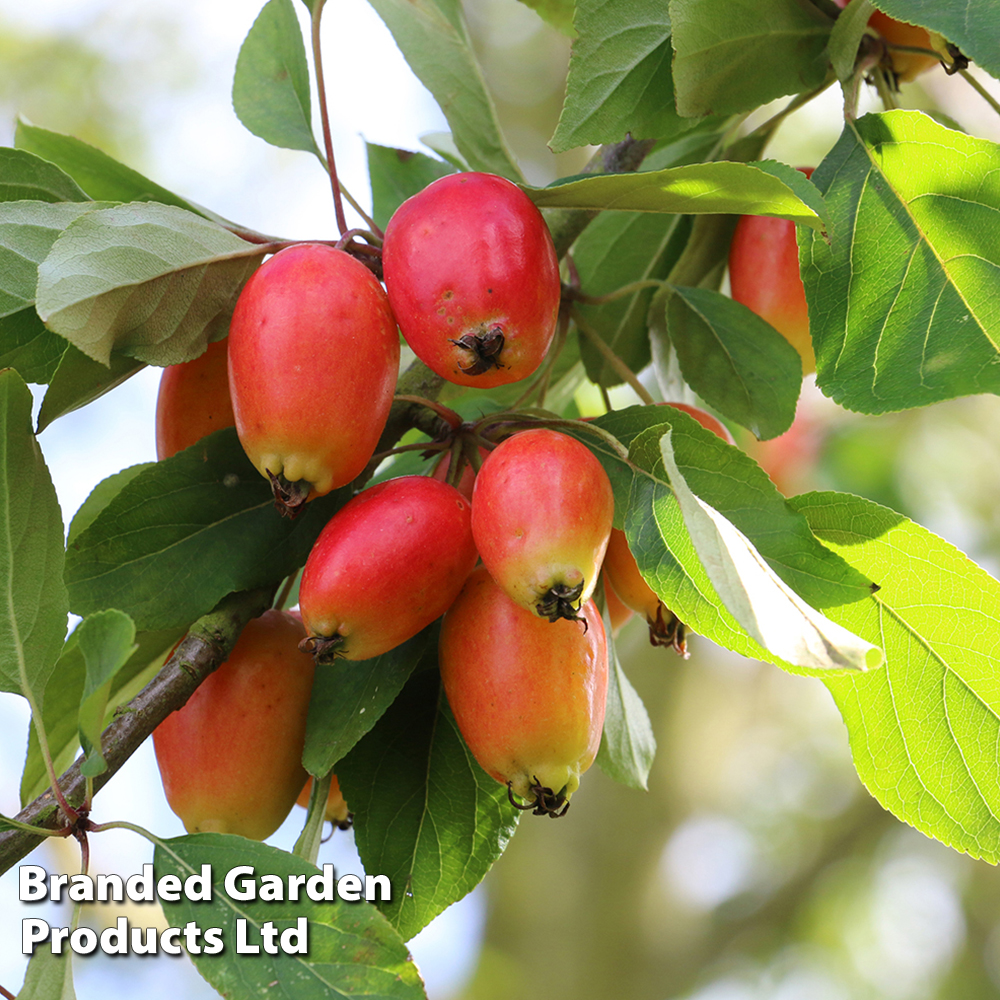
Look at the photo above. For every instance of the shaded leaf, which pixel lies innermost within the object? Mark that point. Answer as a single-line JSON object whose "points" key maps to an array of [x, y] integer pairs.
{"points": [[271, 84], [25, 344], [397, 174], [351, 949], [152, 280], [184, 533], [426, 814], [350, 696], [737, 362], [26, 177], [924, 730], [902, 301], [433, 38], [558, 13], [33, 622], [769, 611], [48, 976], [846, 37], [734, 55]]}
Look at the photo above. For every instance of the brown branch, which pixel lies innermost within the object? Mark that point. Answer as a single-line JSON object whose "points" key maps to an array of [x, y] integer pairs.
{"points": [[205, 648]]}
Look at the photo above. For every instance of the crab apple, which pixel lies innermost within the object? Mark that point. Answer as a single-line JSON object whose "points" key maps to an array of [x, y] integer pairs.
{"points": [[528, 696], [764, 276], [618, 612], [542, 509], [336, 811], [629, 585], [473, 279], [387, 564], [705, 419], [231, 758], [193, 401], [313, 361]]}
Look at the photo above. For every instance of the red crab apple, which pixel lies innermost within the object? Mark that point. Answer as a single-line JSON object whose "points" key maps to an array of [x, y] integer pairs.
{"points": [[542, 509], [336, 811], [764, 276], [386, 565], [193, 401], [528, 695], [313, 361], [473, 279], [231, 758]]}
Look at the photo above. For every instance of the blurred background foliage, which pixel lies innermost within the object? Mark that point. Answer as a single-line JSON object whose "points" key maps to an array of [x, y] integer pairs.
{"points": [[756, 867]]}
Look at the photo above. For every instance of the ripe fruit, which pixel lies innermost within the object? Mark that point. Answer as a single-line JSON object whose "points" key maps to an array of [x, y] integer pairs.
{"points": [[336, 812], [231, 758], [705, 419], [621, 569], [473, 279], [193, 401], [387, 564], [618, 612], [313, 360], [542, 509], [528, 696], [764, 276]]}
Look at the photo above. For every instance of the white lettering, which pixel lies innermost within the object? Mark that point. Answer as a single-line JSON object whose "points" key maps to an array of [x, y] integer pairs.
{"points": [[213, 941], [242, 947], [31, 884], [169, 888], [81, 889], [110, 887], [384, 886], [247, 890], [199, 887], [140, 887], [321, 888], [272, 889], [168, 941], [33, 931], [295, 940], [83, 940], [349, 888], [295, 883], [114, 940]]}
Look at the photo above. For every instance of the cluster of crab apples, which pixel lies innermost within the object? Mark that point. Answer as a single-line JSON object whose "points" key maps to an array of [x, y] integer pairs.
{"points": [[506, 547]]}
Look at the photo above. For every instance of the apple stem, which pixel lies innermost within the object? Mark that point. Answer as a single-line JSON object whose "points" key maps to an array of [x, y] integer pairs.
{"points": [[612, 359], [307, 846], [324, 113]]}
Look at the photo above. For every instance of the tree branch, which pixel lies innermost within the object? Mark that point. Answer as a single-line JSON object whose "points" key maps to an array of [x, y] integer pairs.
{"points": [[205, 648]]}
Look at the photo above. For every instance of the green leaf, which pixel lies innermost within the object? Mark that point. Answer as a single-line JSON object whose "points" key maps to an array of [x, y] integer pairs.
{"points": [[33, 620], [558, 13], [48, 976], [26, 177], [352, 950], [924, 730], [426, 814], [98, 175], [433, 37], [846, 37], [350, 696], [902, 301], [25, 344], [734, 55], [79, 380], [61, 705], [184, 533], [28, 230], [738, 363], [973, 26], [732, 483], [151, 280], [616, 249], [99, 497], [721, 187], [628, 745], [271, 84], [619, 76], [771, 612], [397, 174], [106, 641]]}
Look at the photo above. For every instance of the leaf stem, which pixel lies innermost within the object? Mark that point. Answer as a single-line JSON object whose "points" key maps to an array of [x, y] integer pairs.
{"points": [[324, 114], [980, 89], [612, 359], [618, 293]]}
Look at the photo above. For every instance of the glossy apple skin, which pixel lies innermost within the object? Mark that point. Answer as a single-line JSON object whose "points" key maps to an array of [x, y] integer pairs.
{"points": [[618, 612], [386, 565], [764, 276], [528, 695], [542, 510], [313, 362], [231, 758], [336, 808], [468, 255], [193, 401]]}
